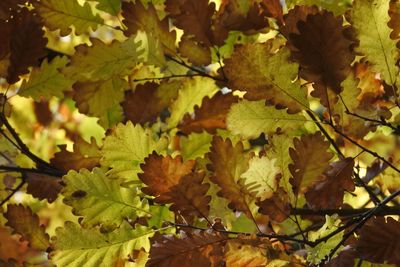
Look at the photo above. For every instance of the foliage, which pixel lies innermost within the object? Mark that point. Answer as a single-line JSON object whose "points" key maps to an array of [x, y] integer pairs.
{"points": [[199, 133]]}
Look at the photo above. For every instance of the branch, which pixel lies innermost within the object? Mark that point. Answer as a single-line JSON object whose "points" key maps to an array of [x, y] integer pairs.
{"points": [[346, 212], [13, 191]]}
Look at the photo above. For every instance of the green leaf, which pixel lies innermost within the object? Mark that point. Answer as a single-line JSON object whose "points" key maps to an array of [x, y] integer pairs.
{"points": [[62, 14], [102, 62], [262, 177], [317, 254], [112, 7], [127, 147], [370, 18], [100, 199], [191, 94], [251, 118], [195, 145], [76, 246], [47, 81]]}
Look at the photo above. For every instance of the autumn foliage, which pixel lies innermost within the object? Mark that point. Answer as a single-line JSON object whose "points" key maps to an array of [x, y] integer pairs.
{"points": [[199, 133]]}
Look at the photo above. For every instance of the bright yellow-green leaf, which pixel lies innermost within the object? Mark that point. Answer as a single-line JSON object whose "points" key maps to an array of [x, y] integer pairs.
{"points": [[370, 18], [47, 81], [62, 14], [262, 177], [318, 253], [102, 62], [112, 7], [195, 145], [127, 147], [100, 199], [191, 94], [251, 118], [79, 247]]}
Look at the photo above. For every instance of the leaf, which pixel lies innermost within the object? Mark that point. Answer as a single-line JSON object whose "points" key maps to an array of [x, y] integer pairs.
{"points": [[276, 207], [196, 53], [27, 44], [76, 246], [310, 160], [171, 180], [127, 147], [43, 186], [262, 176], [8, 6], [323, 52], [244, 251], [100, 199], [191, 94], [252, 118], [148, 100], [197, 249], [196, 145], [112, 7], [62, 14], [328, 194], [137, 17], [210, 115], [295, 15], [370, 18], [26, 223], [102, 62], [319, 252], [228, 163], [378, 240], [85, 155], [194, 18], [98, 98], [47, 81], [270, 79]]}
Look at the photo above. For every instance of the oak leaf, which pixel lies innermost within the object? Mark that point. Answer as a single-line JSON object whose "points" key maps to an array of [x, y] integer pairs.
{"points": [[254, 68], [211, 115], [8, 6], [328, 193], [276, 207], [196, 145], [195, 52], [228, 163], [310, 157], [112, 7], [295, 15], [379, 239], [85, 155], [190, 249], [43, 186], [26, 223]]}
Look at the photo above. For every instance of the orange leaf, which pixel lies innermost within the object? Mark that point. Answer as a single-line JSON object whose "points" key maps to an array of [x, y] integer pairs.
{"points": [[310, 160], [228, 162], [210, 116]]}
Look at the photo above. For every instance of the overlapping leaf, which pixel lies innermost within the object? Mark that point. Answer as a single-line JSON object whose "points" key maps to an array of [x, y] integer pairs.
{"points": [[75, 246], [62, 14], [310, 157], [195, 145], [26, 223], [254, 68], [110, 6], [127, 147], [100, 199], [43, 186]]}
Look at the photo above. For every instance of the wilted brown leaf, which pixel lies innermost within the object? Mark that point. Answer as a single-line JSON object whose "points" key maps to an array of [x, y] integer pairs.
{"points": [[211, 115], [310, 157], [296, 14], [379, 241], [85, 155], [273, 8], [277, 208], [43, 186], [328, 193], [196, 249], [228, 162], [26, 223], [43, 113]]}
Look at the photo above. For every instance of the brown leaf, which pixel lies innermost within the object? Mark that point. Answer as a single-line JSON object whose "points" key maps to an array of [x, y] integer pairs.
{"points": [[328, 193], [27, 44], [277, 208], [210, 116], [394, 22], [196, 249], [296, 14], [197, 53], [43, 113], [273, 9], [137, 17], [25, 223], [379, 241], [12, 250], [43, 186], [194, 18], [8, 6], [324, 53], [85, 155], [148, 100], [228, 162], [310, 160]]}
